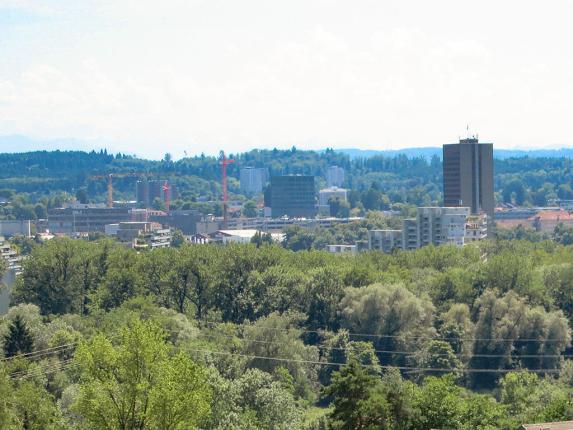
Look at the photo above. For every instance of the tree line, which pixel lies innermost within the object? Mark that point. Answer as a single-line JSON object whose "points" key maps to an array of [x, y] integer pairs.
{"points": [[258, 336], [376, 183]]}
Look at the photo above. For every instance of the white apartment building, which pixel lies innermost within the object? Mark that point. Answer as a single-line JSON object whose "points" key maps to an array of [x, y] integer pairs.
{"points": [[253, 179], [10, 256], [342, 249], [326, 194], [335, 176], [432, 226]]}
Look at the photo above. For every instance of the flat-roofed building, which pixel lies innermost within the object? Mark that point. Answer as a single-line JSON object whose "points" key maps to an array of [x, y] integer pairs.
{"points": [[442, 225], [10, 228], [253, 179], [139, 235], [342, 249], [80, 218], [432, 226], [385, 240], [292, 196], [335, 176], [476, 228], [468, 176], [326, 194]]}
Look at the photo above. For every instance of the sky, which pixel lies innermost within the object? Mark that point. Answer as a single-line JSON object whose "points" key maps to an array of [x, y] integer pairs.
{"points": [[148, 77]]}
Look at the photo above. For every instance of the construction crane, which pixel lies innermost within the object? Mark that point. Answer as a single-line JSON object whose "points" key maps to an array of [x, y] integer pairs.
{"points": [[109, 177], [167, 194], [224, 162]]}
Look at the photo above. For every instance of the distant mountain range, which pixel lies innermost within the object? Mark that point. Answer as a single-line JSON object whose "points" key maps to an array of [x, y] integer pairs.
{"points": [[430, 152], [19, 143]]}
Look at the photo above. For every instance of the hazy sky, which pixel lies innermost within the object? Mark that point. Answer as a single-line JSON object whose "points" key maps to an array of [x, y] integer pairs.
{"points": [[150, 77]]}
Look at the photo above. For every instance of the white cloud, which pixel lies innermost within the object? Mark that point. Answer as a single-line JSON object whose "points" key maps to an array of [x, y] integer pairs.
{"points": [[199, 76]]}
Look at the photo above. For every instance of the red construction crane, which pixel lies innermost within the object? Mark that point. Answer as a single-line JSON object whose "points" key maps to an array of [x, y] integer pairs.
{"points": [[224, 162], [167, 195], [109, 177]]}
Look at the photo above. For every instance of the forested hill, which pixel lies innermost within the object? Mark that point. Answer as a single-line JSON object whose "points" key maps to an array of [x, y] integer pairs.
{"points": [[500, 154], [414, 180]]}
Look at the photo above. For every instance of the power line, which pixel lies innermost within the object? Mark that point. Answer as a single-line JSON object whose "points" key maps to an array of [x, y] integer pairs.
{"points": [[41, 352], [390, 336], [380, 351], [40, 371], [326, 363]]}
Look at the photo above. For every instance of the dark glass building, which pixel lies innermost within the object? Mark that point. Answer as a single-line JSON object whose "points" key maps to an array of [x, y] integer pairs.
{"points": [[293, 196], [468, 176]]}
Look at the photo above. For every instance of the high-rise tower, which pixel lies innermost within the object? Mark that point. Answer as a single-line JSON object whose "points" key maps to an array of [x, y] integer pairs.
{"points": [[468, 176]]}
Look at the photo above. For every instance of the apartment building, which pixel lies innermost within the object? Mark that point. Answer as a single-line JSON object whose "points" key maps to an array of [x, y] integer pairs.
{"points": [[432, 226]]}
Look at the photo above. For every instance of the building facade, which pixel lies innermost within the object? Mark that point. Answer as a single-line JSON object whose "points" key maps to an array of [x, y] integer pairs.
{"points": [[342, 249], [184, 220], [10, 256], [335, 176], [140, 235], [326, 194], [292, 196], [253, 179], [432, 226], [442, 225], [468, 176], [9, 228], [80, 218], [147, 191]]}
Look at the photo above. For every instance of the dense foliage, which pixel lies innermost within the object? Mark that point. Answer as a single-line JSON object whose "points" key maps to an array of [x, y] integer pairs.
{"points": [[260, 337]]}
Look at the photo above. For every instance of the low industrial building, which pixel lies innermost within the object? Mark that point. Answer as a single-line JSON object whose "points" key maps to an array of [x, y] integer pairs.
{"points": [[184, 220], [540, 219], [140, 235], [9, 228], [80, 218], [279, 224], [240, 236]]}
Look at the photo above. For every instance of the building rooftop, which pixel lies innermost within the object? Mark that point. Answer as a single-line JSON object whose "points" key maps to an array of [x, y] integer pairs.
{"points": [[247, 233], [563, 425], [560, 215]]}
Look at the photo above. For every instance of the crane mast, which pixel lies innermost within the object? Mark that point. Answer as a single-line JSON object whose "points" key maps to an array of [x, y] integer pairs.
{"points": [[224, 161]]}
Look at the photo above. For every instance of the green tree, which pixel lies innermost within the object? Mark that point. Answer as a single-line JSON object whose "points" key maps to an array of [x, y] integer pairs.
{"points": [[393, 314], [18, 340], [250, 209], [261, 238], [177, 238], [279, 336], [507, 328], [438, 403], [358, 400], [254, 400], [436, 355], [82, 196], [563, 234], [189, 282], [138, 384]]}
